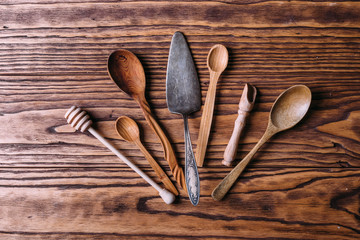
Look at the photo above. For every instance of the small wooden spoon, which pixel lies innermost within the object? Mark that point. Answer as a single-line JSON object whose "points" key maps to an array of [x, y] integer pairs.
{"points": [[129, 131], [289, 108], [217, 61], [126, 71]]}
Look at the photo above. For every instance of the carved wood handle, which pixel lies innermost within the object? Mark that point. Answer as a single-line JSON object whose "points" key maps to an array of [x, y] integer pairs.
{"points": [[169, 154], [225, 185], [231, 148], [157, 169]]}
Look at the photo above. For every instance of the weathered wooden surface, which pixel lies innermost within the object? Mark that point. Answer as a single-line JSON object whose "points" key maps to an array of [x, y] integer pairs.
{"points": [[58, 184]]}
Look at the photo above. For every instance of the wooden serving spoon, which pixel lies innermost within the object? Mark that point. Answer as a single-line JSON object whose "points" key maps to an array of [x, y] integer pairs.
{"points": [[126, 71], [217, 61], [129, 131], [289, 108]]}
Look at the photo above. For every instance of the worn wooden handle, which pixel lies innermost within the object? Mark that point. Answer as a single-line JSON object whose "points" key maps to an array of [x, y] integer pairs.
{"points": [[225, 185], [176, 170], [206, 120], [157, 169]]}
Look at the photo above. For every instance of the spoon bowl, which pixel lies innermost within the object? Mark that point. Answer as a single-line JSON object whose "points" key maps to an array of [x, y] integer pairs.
{"points": [[218, 58], [129, 131], [126, 70], [289, 108]]}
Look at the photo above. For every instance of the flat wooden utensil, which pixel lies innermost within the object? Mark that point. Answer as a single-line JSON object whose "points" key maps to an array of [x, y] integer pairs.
{"points": [[129, 131], [289, 108]]}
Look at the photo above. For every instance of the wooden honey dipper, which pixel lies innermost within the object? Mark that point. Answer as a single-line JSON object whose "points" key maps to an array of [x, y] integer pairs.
{"points": [[81, 121]]}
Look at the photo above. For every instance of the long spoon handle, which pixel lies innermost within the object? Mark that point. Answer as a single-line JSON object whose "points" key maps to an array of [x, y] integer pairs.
{"points": [[191, 171], [165, 195], [176, 170], [157, 169], [225, 185], [231, 148], [206, 120]]}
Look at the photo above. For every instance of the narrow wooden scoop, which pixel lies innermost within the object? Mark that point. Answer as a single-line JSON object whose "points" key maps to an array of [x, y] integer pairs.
{"points": [[246, 104], [289, 108], [126, 71], [129, 131], [217, 61]]}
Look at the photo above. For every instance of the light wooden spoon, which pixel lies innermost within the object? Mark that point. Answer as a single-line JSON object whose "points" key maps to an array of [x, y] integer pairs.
{"points": [[289, 108], [217, 61], [129, 131], [127, 72]]}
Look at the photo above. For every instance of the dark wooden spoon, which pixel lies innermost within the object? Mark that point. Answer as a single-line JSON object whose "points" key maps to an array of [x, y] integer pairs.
{"points": [[127, 72]]}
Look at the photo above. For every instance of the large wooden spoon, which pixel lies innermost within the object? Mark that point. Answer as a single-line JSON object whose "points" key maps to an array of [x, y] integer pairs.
{"points": [[126, 71], [289, 108], [217, 61], [129, 131]]}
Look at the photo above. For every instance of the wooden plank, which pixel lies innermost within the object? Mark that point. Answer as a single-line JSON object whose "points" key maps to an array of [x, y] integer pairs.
{"points": [[343, 14], [284, 202], [53, 141]]}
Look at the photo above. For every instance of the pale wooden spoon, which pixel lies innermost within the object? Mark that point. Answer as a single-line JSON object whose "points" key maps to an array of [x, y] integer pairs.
{"points": [[217, 61], [289, 108], [129, 131], [127, 72]]}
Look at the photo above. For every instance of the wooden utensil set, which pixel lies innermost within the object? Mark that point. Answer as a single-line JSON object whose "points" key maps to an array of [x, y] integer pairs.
{"points": [[126, 71]]}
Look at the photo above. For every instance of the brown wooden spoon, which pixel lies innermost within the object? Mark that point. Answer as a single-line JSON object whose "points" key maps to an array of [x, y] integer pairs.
{"points": [[129, 131], [217, 61], [289, 108], [126, 71]]}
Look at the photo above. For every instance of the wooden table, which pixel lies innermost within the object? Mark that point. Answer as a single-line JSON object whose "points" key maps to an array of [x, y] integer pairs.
{"points": [[59, 184]]}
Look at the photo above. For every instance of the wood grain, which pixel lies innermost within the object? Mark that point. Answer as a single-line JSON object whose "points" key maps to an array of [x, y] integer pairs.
{"points": [[59, 184]]}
